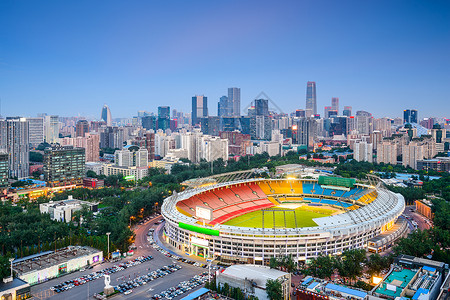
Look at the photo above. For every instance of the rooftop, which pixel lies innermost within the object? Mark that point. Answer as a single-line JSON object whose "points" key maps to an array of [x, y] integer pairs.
{"points": [[49, 258], [259, 274], [15, 283]]}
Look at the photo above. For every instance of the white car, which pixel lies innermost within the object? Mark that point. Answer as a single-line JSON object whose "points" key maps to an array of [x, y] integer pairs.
{"points": [[128, 292]]}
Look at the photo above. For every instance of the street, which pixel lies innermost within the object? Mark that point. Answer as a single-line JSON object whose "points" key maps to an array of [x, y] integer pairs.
{"points": [[422, 222], [86, 291]]}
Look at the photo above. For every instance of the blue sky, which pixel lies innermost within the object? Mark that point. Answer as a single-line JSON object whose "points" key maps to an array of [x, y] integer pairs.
{"points": [[71, 57]]}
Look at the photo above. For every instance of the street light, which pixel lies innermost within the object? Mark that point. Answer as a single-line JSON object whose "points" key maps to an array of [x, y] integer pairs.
{"points": [[11, 261], [108, 233]]}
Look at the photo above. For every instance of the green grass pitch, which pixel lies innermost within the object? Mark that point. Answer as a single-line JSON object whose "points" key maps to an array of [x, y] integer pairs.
{"points": [[304, 218]]}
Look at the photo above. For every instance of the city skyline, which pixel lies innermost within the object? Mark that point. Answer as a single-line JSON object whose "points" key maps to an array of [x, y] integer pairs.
{"points": [[372, 57]]}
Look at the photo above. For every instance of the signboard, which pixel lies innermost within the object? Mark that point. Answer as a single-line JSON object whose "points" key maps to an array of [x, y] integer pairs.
{"points": [[199, 229], [204, 213], [199, 242], [95, 258], [62, 269], [337, 181], [115, 254], [129, 178]]}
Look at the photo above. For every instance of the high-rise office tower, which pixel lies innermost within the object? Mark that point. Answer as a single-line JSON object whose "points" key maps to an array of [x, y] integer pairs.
{"points": [[51, 129], [406, 116], [82, 128], [335, 103], [410, 116], [234, 101], [347, 111], [36, 131], [14, 135], [414, 116], [163, 117], [262, 107], [223, 107], [149, 122], [311, 99], [306, 131], [106, 115], [199, 108], [329, 112]]}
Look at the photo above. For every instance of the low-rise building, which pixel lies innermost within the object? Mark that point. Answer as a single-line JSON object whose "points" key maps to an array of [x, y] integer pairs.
{"points": [[137, 172], [14, 289], [63, 210], [93, 183], [315, 289], [252, 279], [46, 265], [413, 278]]}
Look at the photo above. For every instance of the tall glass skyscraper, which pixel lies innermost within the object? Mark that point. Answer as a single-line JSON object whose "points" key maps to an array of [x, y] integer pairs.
{"points": [[199, 108], [106, 115], [234, 100], [311, 99]]}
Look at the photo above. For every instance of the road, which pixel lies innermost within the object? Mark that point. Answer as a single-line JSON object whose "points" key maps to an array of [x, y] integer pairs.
{"points": [[86, 291], [422, 222]]}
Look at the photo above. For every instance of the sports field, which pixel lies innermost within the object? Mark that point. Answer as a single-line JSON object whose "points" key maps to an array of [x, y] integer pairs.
{"points": [[304, 215]]}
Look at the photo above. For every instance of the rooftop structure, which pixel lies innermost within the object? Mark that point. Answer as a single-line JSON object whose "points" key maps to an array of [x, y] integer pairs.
{"points": [[322, 289], [413, 278], [63, 210], [46, 265]]}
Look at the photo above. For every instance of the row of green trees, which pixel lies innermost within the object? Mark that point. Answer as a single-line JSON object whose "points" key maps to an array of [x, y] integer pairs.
{"points": [[432, 243], [350, 266]]}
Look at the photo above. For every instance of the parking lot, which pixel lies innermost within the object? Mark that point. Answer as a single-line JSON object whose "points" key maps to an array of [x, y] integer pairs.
{"points": [[134, 274]]}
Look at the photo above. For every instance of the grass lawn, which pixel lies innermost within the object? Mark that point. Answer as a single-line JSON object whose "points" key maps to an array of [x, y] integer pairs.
{"points": [[304, 215]]}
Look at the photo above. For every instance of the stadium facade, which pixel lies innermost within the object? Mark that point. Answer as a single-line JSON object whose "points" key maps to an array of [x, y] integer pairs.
{"points": [[195, 219]]}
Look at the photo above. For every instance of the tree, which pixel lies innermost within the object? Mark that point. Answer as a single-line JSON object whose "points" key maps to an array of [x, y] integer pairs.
{"points": [[91, 174], [273, 289], [350, 264], [322, 266], [36, 156], [273, 263]]}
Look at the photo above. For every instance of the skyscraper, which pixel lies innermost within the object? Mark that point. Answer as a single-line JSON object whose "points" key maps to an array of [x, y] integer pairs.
{"points": [[406, 116], [262, 107], [106, 115], [414, 116], [311, 99], [335, 103], [51, 129], [234, 101], [36, 131], [347, 111], [199, 108], [163, 117], [223, 107]]}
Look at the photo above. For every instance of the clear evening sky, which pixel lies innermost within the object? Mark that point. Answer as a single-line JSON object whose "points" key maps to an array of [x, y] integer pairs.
{"points": [[71, 57]]}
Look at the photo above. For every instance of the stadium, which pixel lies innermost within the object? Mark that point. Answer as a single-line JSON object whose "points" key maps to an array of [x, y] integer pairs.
{"points": [[252, 220]]}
